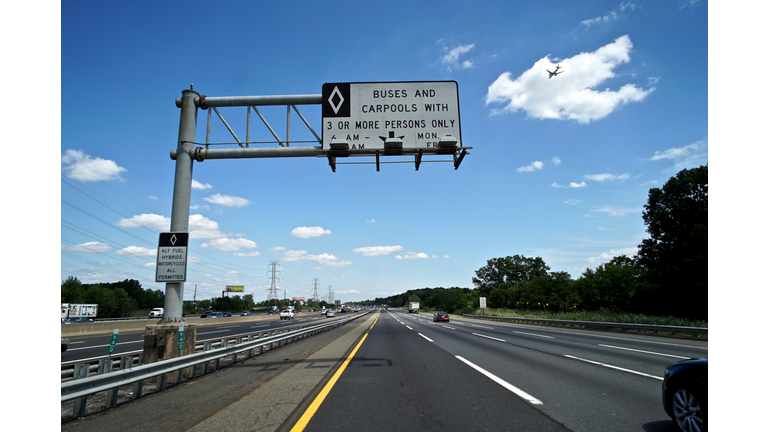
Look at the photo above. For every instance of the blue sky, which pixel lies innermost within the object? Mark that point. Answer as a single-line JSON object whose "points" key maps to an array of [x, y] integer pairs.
{"points": [[560, 168]]}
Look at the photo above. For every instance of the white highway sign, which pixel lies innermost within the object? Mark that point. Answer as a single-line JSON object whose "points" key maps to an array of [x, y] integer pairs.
{"points": [[365, 115]]}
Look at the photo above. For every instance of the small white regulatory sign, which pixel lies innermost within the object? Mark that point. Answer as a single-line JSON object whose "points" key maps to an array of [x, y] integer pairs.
{"points": [[365, 115], [172, 257]]}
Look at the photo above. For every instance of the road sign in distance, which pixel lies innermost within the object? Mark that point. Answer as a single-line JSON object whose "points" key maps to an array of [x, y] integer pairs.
{"points": [[369, 115]]}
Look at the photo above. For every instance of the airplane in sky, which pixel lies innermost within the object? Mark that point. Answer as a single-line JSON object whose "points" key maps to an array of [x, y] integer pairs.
{"points": [[555, 73]]}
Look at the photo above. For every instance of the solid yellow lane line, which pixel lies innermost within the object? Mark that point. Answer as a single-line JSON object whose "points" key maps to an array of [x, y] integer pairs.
{"points": [[304, 420]]}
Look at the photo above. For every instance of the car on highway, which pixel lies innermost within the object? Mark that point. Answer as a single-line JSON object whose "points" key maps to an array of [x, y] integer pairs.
{"points": [[440, 316], [227, 314], [684, 394], [211, 314], [329, 313], [77, 320], [245, 313]]}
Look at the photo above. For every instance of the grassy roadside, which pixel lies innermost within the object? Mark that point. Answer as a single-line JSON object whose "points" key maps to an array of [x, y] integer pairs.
{"points": [[591, 316]]}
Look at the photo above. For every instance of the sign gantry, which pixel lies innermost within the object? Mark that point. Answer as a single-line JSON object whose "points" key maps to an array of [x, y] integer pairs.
{"points": [[412, 119]]}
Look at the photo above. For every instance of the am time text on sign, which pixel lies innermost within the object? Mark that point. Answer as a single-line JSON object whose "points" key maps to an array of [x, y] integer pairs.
{"points": [[172, 257], [366, 114]]}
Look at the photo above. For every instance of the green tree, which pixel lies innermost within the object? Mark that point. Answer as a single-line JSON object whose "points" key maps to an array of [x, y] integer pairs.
{"points": [[72, 291], [510, 270], [676, 254]]}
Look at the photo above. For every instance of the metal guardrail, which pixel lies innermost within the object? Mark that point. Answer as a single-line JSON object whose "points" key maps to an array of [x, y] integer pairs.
{"points": [[82, 385], [129, 359], [655, 328]]}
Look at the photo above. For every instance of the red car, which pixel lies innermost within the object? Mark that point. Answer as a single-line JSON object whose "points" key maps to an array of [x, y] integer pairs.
{"points": [[440, 316]]}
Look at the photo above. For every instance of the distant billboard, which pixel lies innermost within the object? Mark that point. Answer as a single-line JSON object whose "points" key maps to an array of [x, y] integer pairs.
{"points": [[235, 288], [298, 299]]}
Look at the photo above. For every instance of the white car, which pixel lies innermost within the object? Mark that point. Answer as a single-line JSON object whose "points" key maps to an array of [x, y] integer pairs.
{"points": [[329, 313], [286, 314]]}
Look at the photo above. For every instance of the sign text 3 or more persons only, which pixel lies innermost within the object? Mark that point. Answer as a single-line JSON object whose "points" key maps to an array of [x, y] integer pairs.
{"points": [[366, 114]]}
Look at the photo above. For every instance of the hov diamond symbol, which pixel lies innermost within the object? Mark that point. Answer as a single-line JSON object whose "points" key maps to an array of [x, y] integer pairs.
{"points": [[335, 93]]}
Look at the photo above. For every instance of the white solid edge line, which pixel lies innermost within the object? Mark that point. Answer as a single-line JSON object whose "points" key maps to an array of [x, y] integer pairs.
{"points": [[616, 367], [426, 337], [502, 383]]}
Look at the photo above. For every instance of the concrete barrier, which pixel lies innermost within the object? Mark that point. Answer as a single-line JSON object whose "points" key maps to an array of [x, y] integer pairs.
{"points": [[107, 327]]}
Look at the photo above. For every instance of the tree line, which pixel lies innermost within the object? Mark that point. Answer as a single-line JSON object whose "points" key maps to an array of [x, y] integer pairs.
{"points": [[115, 299], [667, 277]]}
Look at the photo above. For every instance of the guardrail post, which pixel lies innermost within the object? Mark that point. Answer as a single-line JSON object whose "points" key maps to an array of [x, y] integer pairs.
{"points": [[160, 383], [138, 388], [81, 371], [102, 366], [111, 393]]}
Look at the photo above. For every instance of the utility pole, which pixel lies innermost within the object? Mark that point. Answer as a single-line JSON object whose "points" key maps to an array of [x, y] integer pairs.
{"points": [[330, 295]]}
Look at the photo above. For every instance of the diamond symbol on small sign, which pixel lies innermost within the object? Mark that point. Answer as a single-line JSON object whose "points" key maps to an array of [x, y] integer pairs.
{"points": [[341, 100], [173, 239]]}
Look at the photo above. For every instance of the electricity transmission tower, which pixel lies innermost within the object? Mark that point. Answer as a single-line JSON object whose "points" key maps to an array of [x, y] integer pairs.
{"points": [[272, 296], [315, 296], [331, 301]]}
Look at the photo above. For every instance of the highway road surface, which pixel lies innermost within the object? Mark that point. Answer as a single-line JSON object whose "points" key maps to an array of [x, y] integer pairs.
{"points": [[394, 370]]}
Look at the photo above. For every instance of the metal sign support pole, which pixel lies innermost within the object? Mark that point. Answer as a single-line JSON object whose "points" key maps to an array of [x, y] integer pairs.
{"points": [[182, 190]]}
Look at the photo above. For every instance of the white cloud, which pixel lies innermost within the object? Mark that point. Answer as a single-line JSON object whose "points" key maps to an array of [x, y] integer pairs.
{"points": [[535, 165], [610, 16], [137, 251], [571, 185], [572, 201], [202, 227], [229, 244], [451, 57], [87, 169], [199, 226], [690, 156], [370, 221], [322, 259], [309, 232], [614, 212], [606, 177], [607, 256], [412, 255], [556, 160], [152, 221], [90, 247], [571, 96], [152, 197], [247, 254], [197, 185], [377, 250], [278, 248], [691, 3], [227, 200]]}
